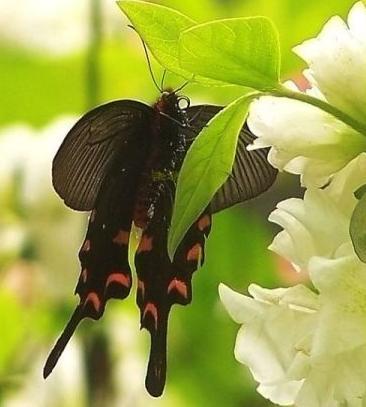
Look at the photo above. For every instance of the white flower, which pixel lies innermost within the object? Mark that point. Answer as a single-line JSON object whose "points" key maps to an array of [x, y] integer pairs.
{"points": [[304, 139], [318, 225], [273, 338], [306, 349], [337, 62]]}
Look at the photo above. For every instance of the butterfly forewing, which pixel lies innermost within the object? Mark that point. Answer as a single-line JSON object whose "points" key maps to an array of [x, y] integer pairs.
{"points": [[251, 174], [112, 132]]}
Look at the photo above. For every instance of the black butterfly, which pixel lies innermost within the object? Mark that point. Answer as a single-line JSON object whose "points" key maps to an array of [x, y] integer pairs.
{"points": [[120, 161]]}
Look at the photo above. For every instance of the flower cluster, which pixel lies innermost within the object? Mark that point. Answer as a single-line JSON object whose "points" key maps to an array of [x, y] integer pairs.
{"points": [[308, 347]]}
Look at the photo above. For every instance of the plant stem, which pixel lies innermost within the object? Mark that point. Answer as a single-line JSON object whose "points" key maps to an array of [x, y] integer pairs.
{"points": [[281, 91], [93, 66]]}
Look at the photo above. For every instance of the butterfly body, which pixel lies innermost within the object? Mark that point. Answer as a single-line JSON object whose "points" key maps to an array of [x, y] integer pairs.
{"points": [[165, 156], [121, 161]]}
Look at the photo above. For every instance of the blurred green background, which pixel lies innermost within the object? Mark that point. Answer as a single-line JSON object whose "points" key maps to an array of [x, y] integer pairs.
{"points": [[57, 59]]}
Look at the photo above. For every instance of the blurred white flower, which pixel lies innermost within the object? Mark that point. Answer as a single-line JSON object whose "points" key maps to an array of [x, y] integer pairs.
{"points": [[27, 158], [65, 387], [31, 212], [55, 27], [304, 139]]}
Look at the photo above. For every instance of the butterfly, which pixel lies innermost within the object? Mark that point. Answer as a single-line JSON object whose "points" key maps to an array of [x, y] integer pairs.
{"points": [[120, 161]]}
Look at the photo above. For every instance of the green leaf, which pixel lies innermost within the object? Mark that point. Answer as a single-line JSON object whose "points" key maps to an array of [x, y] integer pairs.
{"points": [[240, 51], [160, 27], [206, 167], [359, 193], [357, 228]]}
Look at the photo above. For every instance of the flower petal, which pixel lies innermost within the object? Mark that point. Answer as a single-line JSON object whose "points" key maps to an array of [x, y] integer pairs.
{"points": [[240, 307], [337, 60], [261, 343], [318, 225], [303, 139]]}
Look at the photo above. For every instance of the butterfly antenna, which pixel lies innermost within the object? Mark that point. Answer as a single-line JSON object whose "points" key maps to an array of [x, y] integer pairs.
{"points": [[182, 87], [163, 79], [148, 59]]}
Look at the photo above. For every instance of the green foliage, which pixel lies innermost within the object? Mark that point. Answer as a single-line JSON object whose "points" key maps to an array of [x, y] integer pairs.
{"points": [[240, 51], [206, 167], [160, 27], [357, 226], [36, 88], [13, 329]]}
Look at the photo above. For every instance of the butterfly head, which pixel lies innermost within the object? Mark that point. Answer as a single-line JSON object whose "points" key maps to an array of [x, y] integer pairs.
{"points": [[173, 105]]}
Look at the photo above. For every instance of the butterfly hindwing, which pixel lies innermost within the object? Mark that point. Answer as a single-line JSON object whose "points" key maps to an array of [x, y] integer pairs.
{"points": [[105, 271], [162, 283], [251, 174], [112, 132]]}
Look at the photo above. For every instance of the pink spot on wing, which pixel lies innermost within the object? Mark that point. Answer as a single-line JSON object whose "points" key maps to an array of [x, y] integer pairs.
{"points": [[84, 275], [93, 298], [153, 311], [118, 278], [194, 252], [145, 244], [178, 286], [141, 287], [86, 246], [121, 238], [204, 222]]}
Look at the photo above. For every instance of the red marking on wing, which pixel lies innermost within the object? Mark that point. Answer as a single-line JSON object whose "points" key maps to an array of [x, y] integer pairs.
{"points": [[145, 244], [121, 238], [141, 287], [118, 278], [84, 275], [178, 286], [204, 222], [152, 310], [86, 246], [194, 252], [93, 298]]}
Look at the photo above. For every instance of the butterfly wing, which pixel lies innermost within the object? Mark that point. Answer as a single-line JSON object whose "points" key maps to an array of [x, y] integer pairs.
{"points": [[251, 174], [105, 271], [101, 137], [113, 157], [162, 283]]}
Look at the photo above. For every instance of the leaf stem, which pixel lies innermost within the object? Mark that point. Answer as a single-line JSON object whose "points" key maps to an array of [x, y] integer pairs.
{"points": [[281, 91]]}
